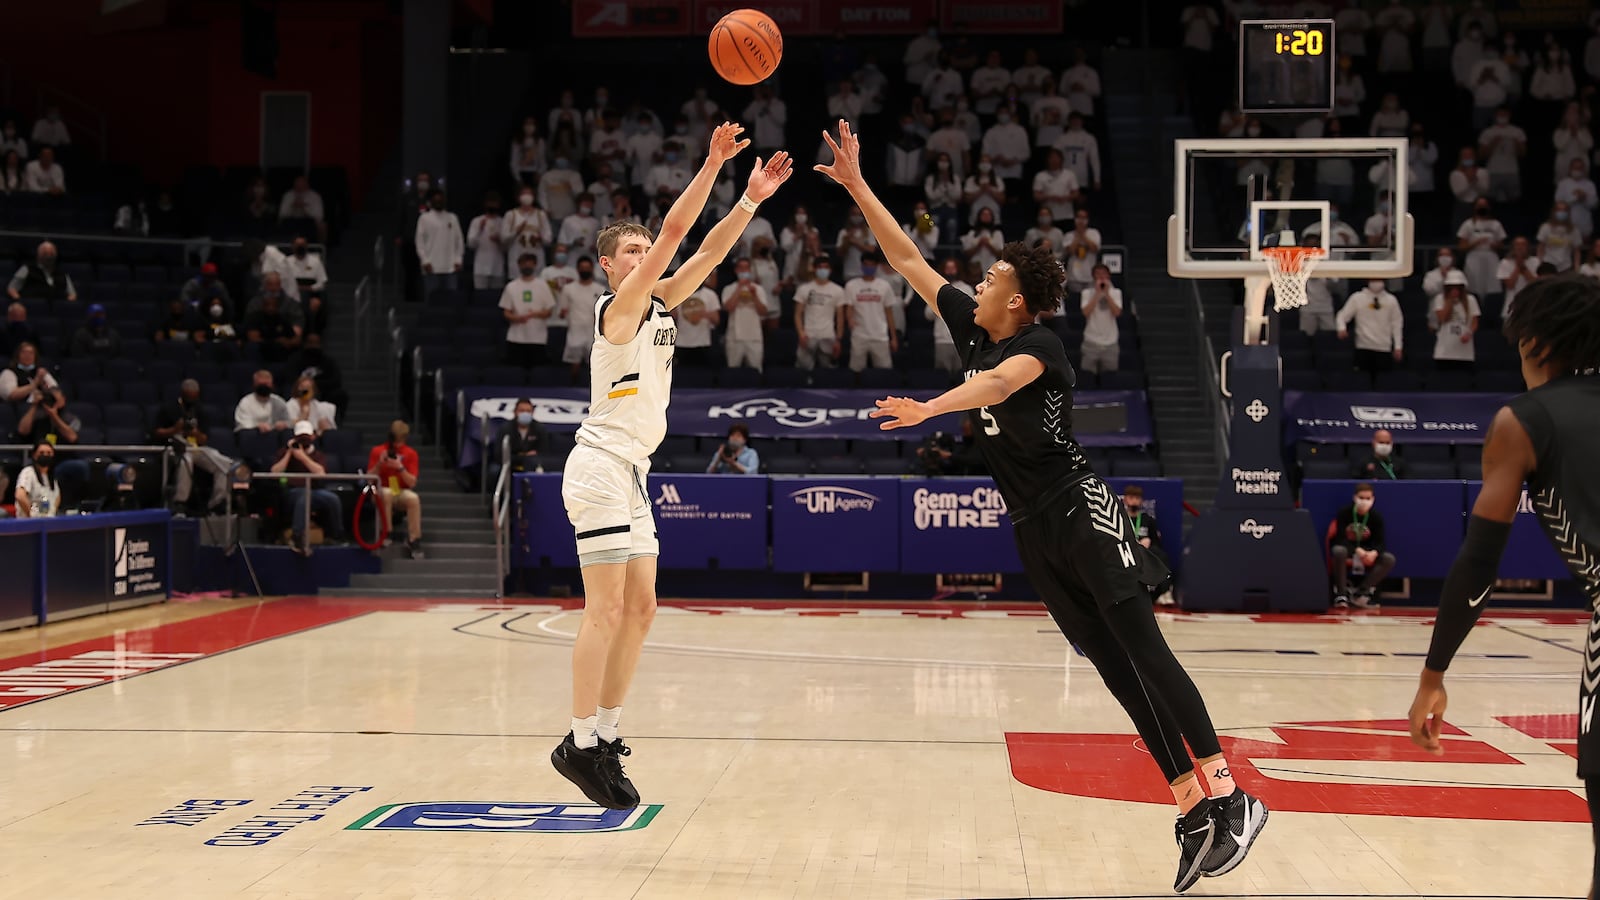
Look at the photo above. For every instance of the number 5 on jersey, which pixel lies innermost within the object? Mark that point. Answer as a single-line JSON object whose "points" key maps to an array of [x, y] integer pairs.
{"points": [[990, 426]]}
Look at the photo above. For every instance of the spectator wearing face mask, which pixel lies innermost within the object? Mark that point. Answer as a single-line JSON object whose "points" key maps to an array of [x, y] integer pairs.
{"points": [[982, 244], [485, 241], [580, 228], [735, 456], [923, 231], [943, 192], [524, 439], [205, 289], [696, 318], [1469, 184], [301, 455], [525, 229], [183, 323], [1148, 533], [559, 189], [305, 407], [945, 355], [37, 494], [41, 280], [1558, 239], [311, 361], [185, 420], [96, 339], [310, 277], [1044, 229], [819, 317], [1502, 146], [746, 304], [304, 204], [1080, 152], [1056, 187], [1356, 539], [867, 301], [1577, 191], [440, 246], [854, 240], [273, 322], [1433, 282], [1379, 327], [1481, 239], [527, 305], [397, 466], [24, 378], [1381, 464], [262, 410], [527, 154], [1006, 144], [578, 299], [1456, 315], [1519, 269], [1081, 251], [1101, 303]]}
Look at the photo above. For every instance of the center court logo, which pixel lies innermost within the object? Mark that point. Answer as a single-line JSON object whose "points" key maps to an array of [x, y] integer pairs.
{"points": [[1255, 529], [828, 500], [540, 818], [982, 507]]}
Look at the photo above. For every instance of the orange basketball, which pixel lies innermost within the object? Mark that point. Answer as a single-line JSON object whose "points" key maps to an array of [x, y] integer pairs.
{"points": [[745, 46]]}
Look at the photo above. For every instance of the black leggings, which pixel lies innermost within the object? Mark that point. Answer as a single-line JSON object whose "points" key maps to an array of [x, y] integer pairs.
{"points": [[1133, 659], [1591, 789]]}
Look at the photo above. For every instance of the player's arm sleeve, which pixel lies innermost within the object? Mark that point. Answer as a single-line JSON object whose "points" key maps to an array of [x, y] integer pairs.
{"points": [[1466, 588]]}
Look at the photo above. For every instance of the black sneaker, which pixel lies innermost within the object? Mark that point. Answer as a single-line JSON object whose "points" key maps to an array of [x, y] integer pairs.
{"points": [[1239, 817], [1365, 600], [1341, 601], [622, 787], [589, 770], [1196, 837], [414, 549]]}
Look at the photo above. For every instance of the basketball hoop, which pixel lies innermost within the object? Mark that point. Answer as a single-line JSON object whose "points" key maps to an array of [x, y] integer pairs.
{"points": [[1290, 267]]}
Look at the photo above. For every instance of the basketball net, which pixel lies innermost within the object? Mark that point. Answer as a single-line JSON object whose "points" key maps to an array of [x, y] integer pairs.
{"points": [[1290, 268]]}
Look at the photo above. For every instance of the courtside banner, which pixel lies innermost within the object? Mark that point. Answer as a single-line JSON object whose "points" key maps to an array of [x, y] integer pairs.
{"points": [[793, 17], [841, 524], [1413, 417], [1100, 418], [1001, 16], [1423, 521], [631, 18], [955, 526]]}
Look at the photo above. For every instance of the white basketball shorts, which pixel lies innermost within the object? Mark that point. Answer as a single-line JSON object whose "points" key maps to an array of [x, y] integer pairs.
{"points": [[608, 508]]}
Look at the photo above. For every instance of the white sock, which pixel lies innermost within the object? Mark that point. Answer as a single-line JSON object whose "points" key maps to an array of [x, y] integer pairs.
{"points": [[608, 717], [583, 732]]}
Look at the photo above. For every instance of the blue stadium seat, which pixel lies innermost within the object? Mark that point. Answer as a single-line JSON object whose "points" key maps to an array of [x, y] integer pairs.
{"points": [[139, 393], [838, 465], [739, 377], [1307, 450], [928, 379], [1443, 469], [123, 415], [122, 371], [788, 465], [78, 371], [343, 441], [125, 435], [785, 377], [1346, 380], [678, 444], [97, 391], [139, 349], [837, 379], [176, 351], [876, 449], [1449, 381], [1470, 469], [551, 376], [689, 463], [504, 376], [1416, 453], [882, 379], [887, 466], [1469, 453], [692, 377], [1302, 380], [1325, 468], [816, 448], [1399, 380], [208, 372]]}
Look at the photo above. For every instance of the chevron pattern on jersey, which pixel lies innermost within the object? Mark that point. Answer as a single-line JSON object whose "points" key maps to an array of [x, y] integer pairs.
{"points": [[1105, 509], [1054, 407], [1580, 557]]}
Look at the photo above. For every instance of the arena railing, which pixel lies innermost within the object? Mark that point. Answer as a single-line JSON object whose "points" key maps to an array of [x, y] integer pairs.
{"points": [[501, 505], [194, 248], [165, 450], [307, 479]]}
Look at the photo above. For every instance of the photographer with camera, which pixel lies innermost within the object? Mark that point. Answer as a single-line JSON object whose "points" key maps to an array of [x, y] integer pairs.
{"points": [[936, 455], [735, 455], [21, 380], [396, 466], [301, 455], [183, 422], [46, 421]]}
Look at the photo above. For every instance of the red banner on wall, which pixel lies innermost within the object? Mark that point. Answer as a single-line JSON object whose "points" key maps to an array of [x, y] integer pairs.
{"points": [[795, 17], [878, 16], [630, 18], [1010, 17]]}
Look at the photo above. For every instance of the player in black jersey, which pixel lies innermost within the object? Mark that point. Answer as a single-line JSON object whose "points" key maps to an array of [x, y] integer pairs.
{"points": [[1076, 540], [1548, 439]]}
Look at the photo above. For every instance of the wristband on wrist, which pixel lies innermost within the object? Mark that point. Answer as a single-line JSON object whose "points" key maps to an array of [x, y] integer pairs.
{"points": [[746, 204]]}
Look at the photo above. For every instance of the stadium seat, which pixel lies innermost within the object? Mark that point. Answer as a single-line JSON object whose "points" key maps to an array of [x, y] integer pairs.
{"points": [[838, 465], [740, 377], [692, 377], [788, 465], [139, 393], [882, 379], [78, 371], [928, 379], [1416, 453], [876, 449], [1443, 469], [1346, 380], [785, 377], [1399, 380], [689, 463], [836, 379], [1325, 468], [98, 392], [887, 466], [1449, 381]]}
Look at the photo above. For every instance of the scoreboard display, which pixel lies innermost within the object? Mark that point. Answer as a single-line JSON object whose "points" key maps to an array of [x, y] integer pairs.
{"points": [[1286, 66]]}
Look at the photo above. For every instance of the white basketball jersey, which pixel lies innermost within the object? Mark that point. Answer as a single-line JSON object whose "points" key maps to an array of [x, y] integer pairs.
{"points": [[630, 385]]}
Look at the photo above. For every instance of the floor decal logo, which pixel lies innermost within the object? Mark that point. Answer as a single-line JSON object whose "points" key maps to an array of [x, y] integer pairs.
{"points": [[548, 818]]}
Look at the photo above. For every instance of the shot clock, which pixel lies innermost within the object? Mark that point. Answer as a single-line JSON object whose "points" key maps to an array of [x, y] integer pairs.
{"points": [[1286, 66]]}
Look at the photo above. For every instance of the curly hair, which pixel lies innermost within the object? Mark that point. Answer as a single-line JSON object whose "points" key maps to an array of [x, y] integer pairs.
{"points": [[1040, 277], [1560, 317]]}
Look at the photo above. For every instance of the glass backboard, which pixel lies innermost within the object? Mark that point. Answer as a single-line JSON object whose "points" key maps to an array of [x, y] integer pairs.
{"points": [[1345, 195]]}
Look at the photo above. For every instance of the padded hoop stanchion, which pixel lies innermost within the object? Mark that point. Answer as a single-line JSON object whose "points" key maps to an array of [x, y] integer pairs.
{"points": [[383, 520]]}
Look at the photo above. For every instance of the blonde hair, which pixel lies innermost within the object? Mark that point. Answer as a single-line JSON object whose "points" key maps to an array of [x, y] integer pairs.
{"points": [[610, 236]]}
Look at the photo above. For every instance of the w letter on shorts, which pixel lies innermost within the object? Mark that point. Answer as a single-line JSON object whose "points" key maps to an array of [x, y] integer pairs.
{"points": [[605, 501]]}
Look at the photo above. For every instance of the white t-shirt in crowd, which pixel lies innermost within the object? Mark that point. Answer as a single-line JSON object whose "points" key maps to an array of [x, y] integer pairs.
{"points": [[1560, 244], [1503, 155], [694, 335], [744, 322], [1081, 260], [44, 497], [1447, 344], [1101, 327], [523, 296], [1508, 266], [818, 302], [870, 301], [578, 300]]}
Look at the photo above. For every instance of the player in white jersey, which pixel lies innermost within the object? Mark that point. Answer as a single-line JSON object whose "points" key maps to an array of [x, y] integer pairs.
{"points": [[604, 483]]}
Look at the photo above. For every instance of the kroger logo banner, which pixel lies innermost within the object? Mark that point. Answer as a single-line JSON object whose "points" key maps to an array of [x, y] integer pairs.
{"points": [[1102, 418], [835, 524], [1414, 418]]}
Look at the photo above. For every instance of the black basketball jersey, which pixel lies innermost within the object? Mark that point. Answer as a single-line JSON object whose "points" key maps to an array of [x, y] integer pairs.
{"points": [[1026, 440], [1565, 491]]}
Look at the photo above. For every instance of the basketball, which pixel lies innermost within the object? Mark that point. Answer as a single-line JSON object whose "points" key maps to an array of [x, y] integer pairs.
{"points": [[745, 46]]}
